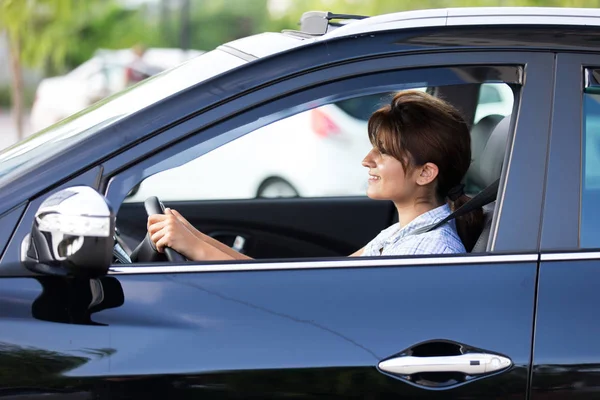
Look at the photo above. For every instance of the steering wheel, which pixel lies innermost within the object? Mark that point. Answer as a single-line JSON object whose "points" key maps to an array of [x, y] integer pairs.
{"points": [[146, 251]]}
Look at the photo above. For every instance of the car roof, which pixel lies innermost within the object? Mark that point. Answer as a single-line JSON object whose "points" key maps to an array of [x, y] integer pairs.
{"points": [[270, 43], [468, 16], [263, 44]]}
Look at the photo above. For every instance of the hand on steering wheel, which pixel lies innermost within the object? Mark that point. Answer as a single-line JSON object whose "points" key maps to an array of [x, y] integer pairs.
{"points": [[154, 206]]}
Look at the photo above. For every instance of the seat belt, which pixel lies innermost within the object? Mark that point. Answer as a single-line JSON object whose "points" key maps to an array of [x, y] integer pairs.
{"points": [[486, 196]]}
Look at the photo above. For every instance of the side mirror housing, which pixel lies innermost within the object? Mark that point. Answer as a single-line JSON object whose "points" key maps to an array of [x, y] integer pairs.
{"points": [[72, 234]]}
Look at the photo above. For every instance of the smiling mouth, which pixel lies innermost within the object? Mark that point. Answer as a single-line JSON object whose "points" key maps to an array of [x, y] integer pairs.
{"points": [[374, 178]]}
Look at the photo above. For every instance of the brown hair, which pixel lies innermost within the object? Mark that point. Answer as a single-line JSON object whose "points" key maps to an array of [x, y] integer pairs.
{"points": [[417, 128]]}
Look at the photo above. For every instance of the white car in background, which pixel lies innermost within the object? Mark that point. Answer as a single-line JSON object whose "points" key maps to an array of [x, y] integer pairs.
{"points": [[316, 153], [103, 75]]}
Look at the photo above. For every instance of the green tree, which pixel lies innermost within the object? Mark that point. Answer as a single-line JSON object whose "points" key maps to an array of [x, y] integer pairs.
{"points": [[215, 22], [40, 32], [115, 27]]}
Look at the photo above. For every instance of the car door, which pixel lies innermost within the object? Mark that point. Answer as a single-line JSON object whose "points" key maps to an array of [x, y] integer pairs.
{"points": [[566, 352], [309, 328], [321, 327]]}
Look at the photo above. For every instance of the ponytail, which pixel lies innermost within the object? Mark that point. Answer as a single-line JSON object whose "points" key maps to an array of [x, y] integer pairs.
{"points": [[470, 225]]}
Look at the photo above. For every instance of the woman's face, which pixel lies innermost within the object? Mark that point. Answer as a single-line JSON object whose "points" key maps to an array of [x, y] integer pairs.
{"points": [[387, 178]]}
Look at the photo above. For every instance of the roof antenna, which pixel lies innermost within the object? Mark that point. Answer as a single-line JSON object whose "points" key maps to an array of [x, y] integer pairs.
{"points": [[318, 22]]}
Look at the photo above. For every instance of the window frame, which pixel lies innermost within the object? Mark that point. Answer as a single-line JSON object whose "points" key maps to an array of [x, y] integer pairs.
{"points": [[560, 235], [502, 238]]}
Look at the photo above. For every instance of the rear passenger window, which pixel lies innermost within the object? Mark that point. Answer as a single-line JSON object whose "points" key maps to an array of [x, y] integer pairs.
{"points": [[590, 199]]}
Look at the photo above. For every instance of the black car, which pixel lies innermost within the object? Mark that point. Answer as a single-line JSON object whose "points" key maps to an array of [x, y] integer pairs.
{"points": [[87, 311]]}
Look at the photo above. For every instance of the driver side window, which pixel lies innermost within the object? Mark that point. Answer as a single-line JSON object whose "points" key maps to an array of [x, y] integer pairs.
{"points": [[296, 188], [316, 153]]}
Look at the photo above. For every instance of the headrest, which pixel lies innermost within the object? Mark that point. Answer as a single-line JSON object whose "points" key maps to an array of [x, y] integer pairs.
{"points": [[488, 146]]}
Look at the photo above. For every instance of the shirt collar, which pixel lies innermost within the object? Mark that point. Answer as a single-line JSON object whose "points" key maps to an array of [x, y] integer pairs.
{"points": [[431, 217]]}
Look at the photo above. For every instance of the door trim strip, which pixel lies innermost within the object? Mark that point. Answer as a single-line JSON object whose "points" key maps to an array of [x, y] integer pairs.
{"points": [[357, 262], [586, 255]]}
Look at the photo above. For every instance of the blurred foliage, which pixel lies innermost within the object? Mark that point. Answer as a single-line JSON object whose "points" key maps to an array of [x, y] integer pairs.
{"points": [[111, 26], [6, 96], [46, 30], [220, 21]]}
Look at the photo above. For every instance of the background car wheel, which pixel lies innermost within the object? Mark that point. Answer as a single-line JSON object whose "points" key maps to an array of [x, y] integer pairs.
{"points": [[276, 187]]}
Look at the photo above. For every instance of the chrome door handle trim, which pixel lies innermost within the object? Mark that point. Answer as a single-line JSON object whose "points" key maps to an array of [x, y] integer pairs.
{"points": [[470, 364]]}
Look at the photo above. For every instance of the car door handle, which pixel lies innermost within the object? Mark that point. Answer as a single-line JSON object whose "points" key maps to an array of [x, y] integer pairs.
{"points": [[469, 364]]}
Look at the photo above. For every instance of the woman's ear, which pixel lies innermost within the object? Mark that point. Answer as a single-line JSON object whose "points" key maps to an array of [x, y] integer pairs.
{"points": [[427, 173]]}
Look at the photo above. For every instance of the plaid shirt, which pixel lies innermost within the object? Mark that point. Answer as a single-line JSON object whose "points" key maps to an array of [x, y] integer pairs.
{"points": [[396, 241]]}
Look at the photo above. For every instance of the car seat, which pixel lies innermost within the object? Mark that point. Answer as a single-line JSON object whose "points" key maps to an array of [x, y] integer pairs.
{"points": [[489, 138], [480, 135]]}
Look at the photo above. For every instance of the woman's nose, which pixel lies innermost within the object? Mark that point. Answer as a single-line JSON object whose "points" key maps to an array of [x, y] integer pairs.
{"points": [[368, 161]]}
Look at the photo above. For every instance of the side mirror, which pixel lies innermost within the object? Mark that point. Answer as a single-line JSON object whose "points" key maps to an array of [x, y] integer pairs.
{"points": [[72, 234]]}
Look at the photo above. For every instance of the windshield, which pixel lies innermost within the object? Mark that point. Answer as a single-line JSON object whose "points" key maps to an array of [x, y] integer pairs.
{"points": [[43, 145]]}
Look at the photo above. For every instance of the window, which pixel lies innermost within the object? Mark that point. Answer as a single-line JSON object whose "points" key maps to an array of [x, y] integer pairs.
{"points": [[316, 153], [590, 199], [362, 107], [307, 149]]}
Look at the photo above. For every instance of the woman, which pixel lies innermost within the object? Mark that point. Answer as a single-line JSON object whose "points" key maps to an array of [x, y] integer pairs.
{"points": [[421, 152]]}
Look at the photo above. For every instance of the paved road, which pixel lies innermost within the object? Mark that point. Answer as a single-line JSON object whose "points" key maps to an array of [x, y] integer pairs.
{"points": [[8, 133]]}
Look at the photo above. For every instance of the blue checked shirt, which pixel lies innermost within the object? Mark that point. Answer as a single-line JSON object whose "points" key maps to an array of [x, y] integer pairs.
{"points": [[396, 241]]}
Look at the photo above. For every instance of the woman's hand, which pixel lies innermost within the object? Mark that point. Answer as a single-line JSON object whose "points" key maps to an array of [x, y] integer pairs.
{"points": [[174, 231], [186, 223], [167, 230]]}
